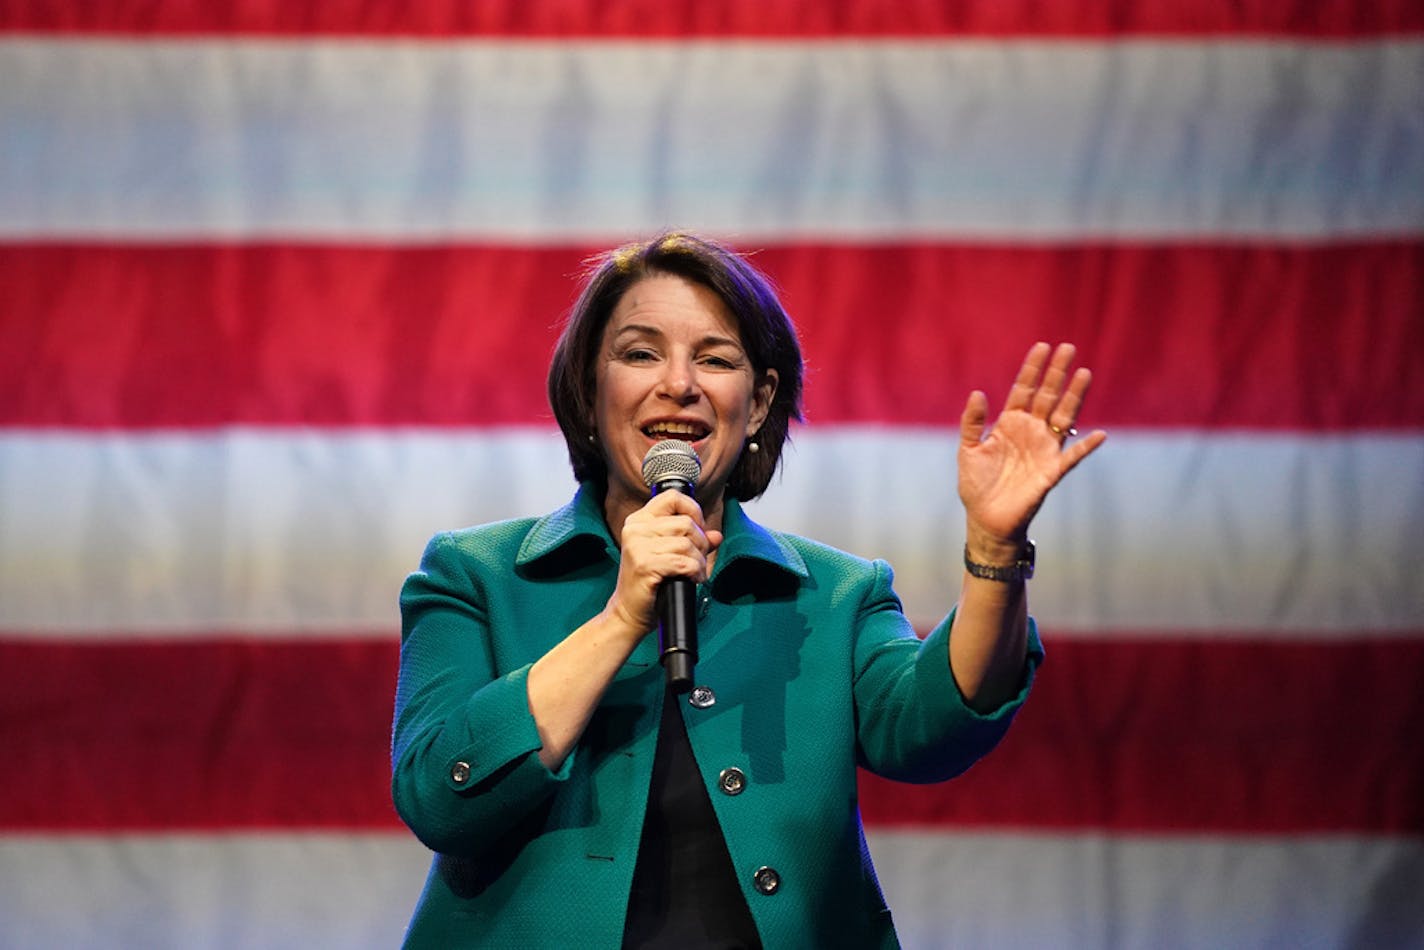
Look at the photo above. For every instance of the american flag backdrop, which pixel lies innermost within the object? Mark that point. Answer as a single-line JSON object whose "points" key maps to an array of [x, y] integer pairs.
{"points": [[278, 286]]}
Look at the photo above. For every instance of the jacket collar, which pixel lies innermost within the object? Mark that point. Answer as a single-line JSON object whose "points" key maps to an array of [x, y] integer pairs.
{"points": [[579, 527], [744, 539]]}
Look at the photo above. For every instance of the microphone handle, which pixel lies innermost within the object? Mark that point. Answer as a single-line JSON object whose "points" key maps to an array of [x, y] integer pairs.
{"points": [[677, 615], [677, 631]]}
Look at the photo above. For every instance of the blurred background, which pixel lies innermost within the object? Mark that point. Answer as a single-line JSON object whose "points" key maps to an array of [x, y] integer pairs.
{"points": [[278, 286]]}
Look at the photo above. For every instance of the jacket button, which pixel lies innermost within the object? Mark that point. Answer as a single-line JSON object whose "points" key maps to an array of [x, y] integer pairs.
{"points": [[702, 697], [460, 773], [732, 781], [766, 880]]}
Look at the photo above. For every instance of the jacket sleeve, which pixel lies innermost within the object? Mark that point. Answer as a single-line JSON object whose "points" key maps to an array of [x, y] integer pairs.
{"points": [[462, 766], [912, 722]]}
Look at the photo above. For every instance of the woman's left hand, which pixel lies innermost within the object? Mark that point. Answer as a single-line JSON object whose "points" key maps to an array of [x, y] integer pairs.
{"points": [[1006, 471]]}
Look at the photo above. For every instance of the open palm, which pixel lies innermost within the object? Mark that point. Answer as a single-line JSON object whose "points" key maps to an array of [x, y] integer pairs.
{"points": [[1006, 470]]}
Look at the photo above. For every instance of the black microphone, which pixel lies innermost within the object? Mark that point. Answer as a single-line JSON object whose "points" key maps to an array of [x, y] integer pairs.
{"points": [[672, 465]]}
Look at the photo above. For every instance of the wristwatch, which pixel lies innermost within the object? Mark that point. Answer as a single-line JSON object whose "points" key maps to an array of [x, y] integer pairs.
{"points": [[1020, 570]]}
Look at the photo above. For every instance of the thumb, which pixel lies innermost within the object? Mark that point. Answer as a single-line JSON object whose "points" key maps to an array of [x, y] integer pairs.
{"points": [[971, 422]]}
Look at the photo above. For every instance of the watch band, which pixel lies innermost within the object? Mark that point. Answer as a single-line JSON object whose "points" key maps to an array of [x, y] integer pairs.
{"points": [[1020, 570]]}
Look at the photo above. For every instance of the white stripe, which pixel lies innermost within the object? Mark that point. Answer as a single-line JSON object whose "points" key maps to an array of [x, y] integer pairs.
{"points": [[945, 890], [591, 140], [307, 532], [1095, 891], [197, 891]]}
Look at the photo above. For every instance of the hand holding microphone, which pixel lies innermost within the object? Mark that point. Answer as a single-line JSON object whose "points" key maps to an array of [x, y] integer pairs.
{"points": [[672, 465]]}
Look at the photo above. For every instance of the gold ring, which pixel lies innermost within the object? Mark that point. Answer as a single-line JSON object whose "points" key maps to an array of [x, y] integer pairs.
{"points": [[1070, 432]]}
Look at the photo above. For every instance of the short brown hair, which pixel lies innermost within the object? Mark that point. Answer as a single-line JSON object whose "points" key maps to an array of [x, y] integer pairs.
{"points": [[767, 335]]}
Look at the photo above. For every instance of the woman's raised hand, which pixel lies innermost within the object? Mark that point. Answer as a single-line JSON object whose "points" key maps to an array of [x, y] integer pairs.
{"points": [[664, 538], [1007, 469]]}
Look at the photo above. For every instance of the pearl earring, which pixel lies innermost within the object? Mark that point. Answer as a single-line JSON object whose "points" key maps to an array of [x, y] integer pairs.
{"points": [[753, 447]]}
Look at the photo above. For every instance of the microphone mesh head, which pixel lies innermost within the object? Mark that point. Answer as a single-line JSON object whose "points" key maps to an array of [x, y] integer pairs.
{"points": [[671, 458]]}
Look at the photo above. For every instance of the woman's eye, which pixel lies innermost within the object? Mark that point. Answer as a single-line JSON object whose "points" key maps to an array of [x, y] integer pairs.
{"points": [[720, 362], [638, 356]]}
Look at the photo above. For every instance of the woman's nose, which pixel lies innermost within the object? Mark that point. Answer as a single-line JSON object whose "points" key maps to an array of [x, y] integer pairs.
{"points": [[680, 379]]}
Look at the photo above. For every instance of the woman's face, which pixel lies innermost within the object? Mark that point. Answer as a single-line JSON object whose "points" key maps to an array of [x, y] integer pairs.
{"points": [[671, 366]]}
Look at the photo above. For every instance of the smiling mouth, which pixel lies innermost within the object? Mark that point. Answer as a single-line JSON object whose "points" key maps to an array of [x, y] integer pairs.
{"points": [[687, 431]]}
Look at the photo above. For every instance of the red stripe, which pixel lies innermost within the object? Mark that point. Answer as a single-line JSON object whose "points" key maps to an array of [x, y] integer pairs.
{"points": [[148, 735], [1225, 336], [1132, 735], [731, 18], [1221, 736]]}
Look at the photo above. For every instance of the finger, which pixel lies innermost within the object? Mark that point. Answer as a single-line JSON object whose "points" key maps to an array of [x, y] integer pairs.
{"points": [[1080, 450], [1021, 393], [1045, 398], [972, 420], [670, 532], [674, 503], [682, 564], [659, 557], [1065, 414]]}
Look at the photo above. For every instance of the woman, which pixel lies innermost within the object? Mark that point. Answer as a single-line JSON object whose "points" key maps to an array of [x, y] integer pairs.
{"points": [[570, 797]]}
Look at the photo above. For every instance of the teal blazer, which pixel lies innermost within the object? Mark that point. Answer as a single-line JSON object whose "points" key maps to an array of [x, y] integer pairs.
{"points": [[811, 668]]}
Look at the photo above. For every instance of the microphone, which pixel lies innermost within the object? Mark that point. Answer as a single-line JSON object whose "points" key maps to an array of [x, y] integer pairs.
{"points": [[672, 465]]}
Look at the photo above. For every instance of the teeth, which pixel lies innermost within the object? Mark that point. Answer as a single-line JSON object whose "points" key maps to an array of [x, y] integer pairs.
{"points": [[675, 430]]}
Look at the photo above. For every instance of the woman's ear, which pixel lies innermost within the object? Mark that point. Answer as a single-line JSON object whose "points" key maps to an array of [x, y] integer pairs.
{"points": [[762, 395]]}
